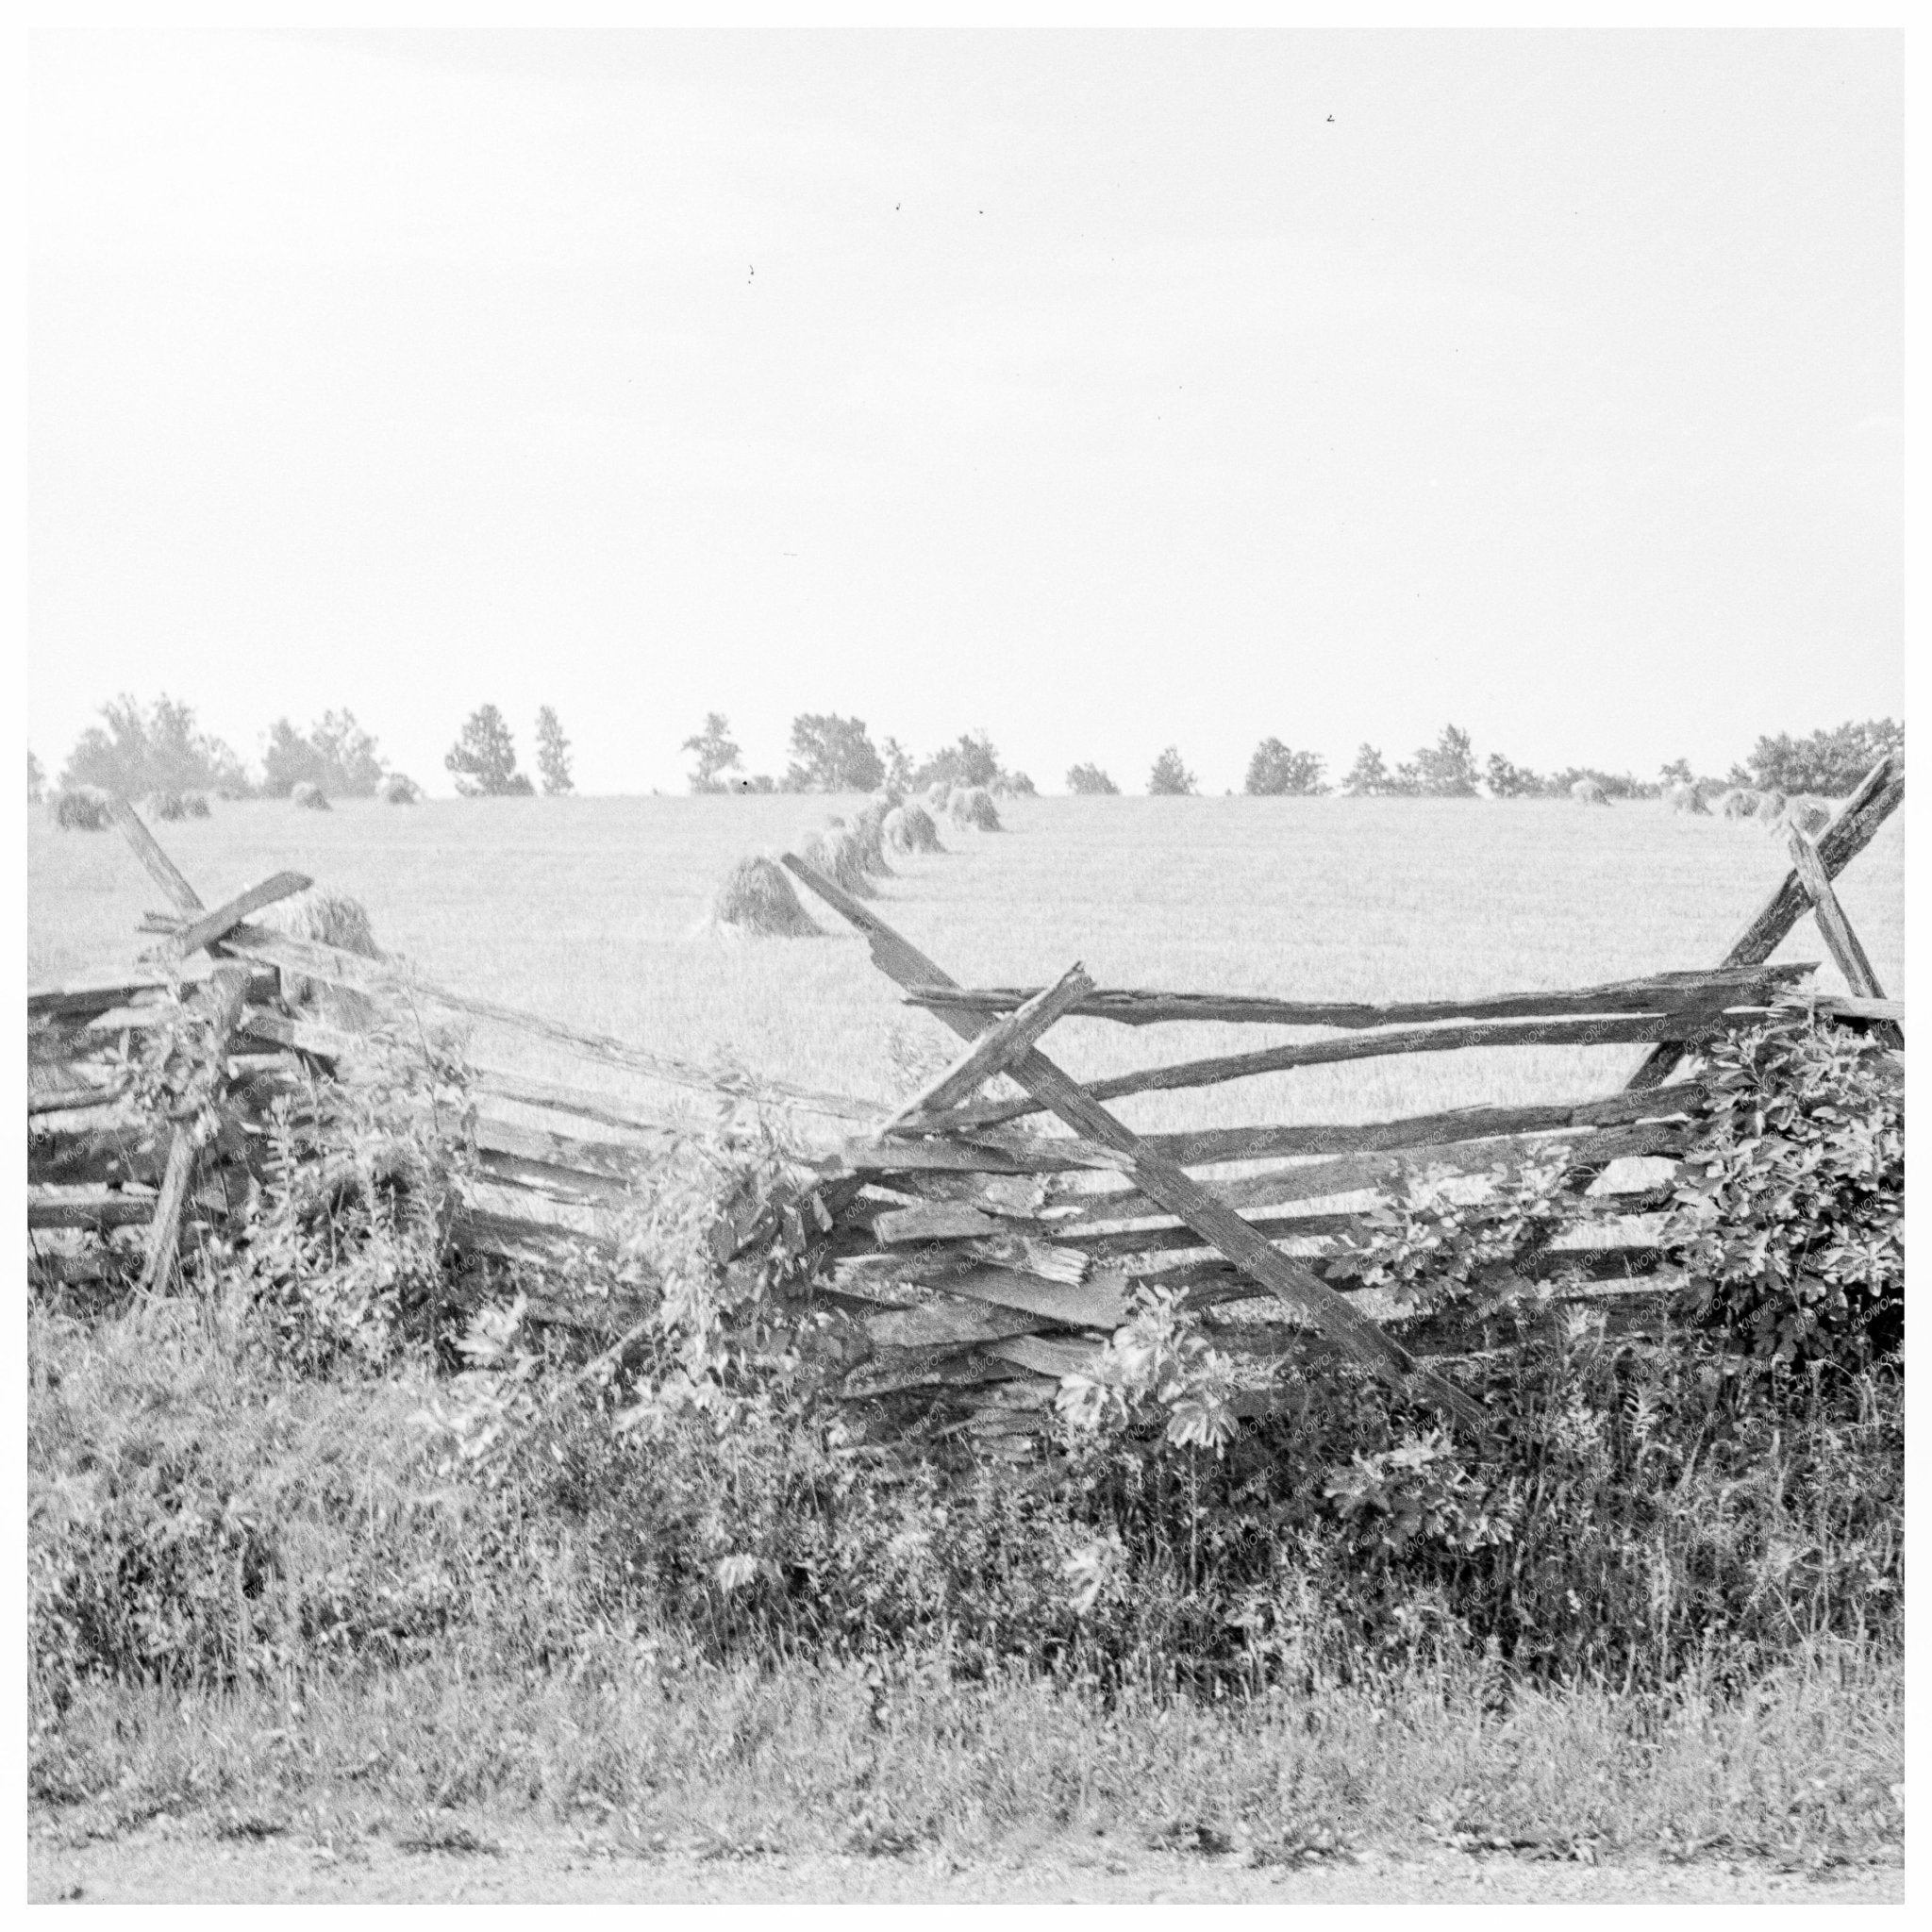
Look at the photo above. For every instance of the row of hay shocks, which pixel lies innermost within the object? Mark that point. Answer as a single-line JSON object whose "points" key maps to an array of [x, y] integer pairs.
{"points": [[967, 1264], [297, 984], [1772, 810], [755, 900], [971, 1264], [89, 808]]}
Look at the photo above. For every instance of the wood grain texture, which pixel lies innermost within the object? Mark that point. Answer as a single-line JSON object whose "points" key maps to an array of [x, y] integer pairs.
{"points": [[1002, 1042], [227, 917], [1878, 796], [1155, 1175], [154, 861], [93, 1155], [89, 1208], [939, 1222], [1665, 993], [946, 1321], [613, 1159], [1211, 1147], [553, 1096], [1848, 955], [1347, 1172], [891, 1375], [570, 1185], [324, 1042], [1856, 1011], [69, 1099], [223, 1001], [1047, 1355], [1099, 1302], [1841, 942], [80, 1001], [1685, 1027]]}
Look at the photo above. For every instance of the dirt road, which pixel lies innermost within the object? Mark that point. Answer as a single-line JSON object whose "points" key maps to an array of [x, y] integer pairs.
{"points": [[165, 1864]]}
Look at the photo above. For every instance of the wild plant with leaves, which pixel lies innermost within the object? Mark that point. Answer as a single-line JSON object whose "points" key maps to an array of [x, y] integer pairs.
{"points": [[361, 1178], [1791, 1218], [1449, 1236]]}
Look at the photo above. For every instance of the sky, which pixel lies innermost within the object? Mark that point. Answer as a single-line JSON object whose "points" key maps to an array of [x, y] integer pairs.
{"points": [[1099, 390]]}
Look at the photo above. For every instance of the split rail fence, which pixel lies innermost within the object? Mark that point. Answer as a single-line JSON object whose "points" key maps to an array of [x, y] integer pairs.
{"points": [[975, 1251]]}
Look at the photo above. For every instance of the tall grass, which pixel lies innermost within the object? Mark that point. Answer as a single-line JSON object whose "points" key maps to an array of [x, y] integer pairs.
{"points": [[802, 1756], [1667, 1615], [254, 1591]]}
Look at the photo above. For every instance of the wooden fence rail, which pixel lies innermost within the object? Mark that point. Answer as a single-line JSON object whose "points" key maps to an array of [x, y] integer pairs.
{"points": [[971, 1261]]}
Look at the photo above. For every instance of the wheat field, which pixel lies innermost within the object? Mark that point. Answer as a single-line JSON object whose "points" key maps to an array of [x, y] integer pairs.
{"points": [[584, 909]]}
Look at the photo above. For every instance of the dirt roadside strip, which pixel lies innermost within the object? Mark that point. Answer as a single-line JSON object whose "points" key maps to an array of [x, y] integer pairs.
{"points": [[157, 1866]]}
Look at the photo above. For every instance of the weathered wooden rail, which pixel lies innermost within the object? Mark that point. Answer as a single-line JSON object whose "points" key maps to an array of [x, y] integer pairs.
{"points": [[970, 1262]]}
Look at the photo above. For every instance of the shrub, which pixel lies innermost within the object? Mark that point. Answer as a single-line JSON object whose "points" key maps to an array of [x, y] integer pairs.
{"points": [[231, 1492], [1830, 763], [1791, 1221], [1089, 781], [1170, 778], [1276, 772]]}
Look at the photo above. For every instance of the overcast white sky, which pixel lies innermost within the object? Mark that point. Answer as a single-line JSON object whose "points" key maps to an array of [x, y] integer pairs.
{"points": [[1101, 390]]}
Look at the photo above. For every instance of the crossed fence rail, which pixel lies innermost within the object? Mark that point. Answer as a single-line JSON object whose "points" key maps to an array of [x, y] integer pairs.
{"points": [[979, 1250]]}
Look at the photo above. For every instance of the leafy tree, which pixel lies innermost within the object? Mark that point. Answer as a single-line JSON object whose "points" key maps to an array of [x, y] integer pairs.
{"points": [[1827, 762], [1368, 778], [553, 754], [1506, 780], [337, 756], [483, 761], [972, 761], [1169, 778], [160, 749], [1091, 781], [898, 765], [1443, 770], [715, 753], [832, 754], [36, 778], [1276, 772], [1677, 772]]}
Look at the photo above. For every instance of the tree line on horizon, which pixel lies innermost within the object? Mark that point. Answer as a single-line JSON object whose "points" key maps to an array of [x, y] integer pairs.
{"points": [[137, 751], [834, 753]]}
